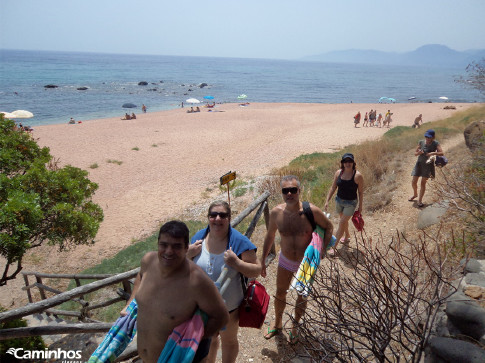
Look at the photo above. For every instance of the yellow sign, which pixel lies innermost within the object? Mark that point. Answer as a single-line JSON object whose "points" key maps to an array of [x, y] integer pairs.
{"points": [[226, 178]]}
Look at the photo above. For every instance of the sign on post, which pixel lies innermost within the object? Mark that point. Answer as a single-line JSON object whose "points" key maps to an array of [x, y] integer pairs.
{"points": [[225, 179]]}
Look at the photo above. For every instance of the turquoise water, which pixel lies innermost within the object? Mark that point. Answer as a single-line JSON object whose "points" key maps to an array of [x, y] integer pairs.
{"points": [[112, 80]]}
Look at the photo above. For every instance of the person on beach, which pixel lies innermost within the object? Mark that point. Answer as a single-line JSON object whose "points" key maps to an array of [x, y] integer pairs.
{"points": [[349, 183], [379, 120], [422, 168], [296, 234], [387, 119], [218, 246], [168, 290], [365, 120], [372, 117], [144, 108], [357, 119], [133, 116], [417, 121], [72, 121], [127, 116]]}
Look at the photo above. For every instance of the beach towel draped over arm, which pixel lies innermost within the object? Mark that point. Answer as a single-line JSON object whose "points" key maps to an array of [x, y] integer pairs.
{"points": [[118, 337], [184, 341], [303, 280]]}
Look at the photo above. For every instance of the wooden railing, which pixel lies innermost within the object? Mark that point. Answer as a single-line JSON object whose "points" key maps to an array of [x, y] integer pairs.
{"points": [[104, 281]]}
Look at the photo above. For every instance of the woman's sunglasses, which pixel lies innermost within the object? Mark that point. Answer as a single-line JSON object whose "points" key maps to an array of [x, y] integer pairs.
{"points": [[222, 215], [292, 190]]}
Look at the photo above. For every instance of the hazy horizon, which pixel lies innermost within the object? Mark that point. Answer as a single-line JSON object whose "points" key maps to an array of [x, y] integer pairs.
{"points": [[253, 29]]}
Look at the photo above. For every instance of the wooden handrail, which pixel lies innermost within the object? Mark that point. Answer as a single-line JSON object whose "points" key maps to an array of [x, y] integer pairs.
{"points": [[65, 296], [54, 329]]}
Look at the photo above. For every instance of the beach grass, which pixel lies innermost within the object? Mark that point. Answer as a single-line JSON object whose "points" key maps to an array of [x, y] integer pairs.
{"points": [[376, 160]]}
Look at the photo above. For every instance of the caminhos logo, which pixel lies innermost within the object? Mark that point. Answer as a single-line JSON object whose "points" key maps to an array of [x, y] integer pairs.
{"points": [[20, 353]]}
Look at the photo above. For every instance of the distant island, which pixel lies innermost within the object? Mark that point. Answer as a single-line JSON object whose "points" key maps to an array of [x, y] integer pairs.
{"points": [[431, 54]]}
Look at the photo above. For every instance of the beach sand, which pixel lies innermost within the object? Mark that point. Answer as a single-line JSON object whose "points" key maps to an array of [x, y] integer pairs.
{"points": [[164, 161]]}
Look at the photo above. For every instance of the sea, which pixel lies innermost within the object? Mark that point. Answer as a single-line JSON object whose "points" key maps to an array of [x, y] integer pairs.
{"points": [[112, 80]]}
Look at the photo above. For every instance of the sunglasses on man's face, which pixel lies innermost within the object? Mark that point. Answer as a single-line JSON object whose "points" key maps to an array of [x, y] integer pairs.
{"points": [[292, 190], [222, 215]]}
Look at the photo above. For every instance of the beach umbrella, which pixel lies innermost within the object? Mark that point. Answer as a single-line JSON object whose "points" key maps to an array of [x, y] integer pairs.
{"points": [[7, 114], [383, 99], [209, 97], [22, 114], [192, 100], [443, 98], [392, 99], [242, 97], [129, 105]]}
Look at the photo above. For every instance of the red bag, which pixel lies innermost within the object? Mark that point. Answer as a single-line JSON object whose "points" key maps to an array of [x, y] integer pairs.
{"points": [[358, 221], [254, 306]]}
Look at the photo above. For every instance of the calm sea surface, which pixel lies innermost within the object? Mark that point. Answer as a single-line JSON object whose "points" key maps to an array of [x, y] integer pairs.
{"points": [[112, 80]]}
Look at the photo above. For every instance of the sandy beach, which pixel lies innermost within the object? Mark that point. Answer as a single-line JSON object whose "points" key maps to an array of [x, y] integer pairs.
{"points": [[167, 159], [163, 162]]}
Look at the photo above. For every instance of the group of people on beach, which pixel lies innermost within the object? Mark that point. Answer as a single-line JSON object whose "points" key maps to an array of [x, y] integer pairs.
{"points": [[179, 278], [129, 117], [371, 119]]}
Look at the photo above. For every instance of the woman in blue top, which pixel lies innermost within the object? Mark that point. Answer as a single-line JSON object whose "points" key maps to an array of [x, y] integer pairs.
{"points": [[423, 168], [349, 182], [221, 245]]}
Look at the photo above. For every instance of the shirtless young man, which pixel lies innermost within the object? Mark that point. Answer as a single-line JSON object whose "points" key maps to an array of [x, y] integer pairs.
{"points": [[296, 234], [168, 290]]}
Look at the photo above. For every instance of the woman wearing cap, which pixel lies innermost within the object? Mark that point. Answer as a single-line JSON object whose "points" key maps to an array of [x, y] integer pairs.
{"points": [[349, 183], [217, 246], [425, 149]]}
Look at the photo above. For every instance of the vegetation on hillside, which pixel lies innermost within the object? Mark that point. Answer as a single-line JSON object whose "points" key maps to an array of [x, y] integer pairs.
{"points": [[39, 201]]}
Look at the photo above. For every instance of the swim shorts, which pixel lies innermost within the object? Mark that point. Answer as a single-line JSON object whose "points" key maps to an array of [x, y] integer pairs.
{"points": [[287, 264]]}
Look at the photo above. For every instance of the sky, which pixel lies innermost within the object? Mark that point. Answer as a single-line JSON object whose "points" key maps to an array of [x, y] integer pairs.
{"points": [[274, 29]]}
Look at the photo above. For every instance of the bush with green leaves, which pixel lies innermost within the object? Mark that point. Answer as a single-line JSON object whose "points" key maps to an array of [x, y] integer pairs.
{"points": [[40, 202]]}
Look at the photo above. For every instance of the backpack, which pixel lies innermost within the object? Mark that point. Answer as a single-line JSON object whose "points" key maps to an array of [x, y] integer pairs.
{"points": [[254, 306]]}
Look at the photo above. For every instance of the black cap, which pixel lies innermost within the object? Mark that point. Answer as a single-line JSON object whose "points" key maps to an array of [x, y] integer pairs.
{"points": [[348, 156]]}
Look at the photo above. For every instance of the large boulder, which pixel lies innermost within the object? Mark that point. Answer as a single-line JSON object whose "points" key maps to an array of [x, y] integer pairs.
{"points": [[468, 317], [143, 83], [474, 134], [51, 86], [447, 350]]}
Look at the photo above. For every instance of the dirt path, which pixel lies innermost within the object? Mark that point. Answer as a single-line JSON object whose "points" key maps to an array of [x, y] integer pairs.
{"points": [[401, 215]]}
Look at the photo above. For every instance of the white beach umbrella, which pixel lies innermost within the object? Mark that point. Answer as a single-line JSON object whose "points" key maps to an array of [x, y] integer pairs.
{"points": [[7, 114], [22, 114], [443, 98], [242, 97], [192, 100]]}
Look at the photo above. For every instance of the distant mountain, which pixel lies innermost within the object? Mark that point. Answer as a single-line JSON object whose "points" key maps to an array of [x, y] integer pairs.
{"points": [[431, 54]]}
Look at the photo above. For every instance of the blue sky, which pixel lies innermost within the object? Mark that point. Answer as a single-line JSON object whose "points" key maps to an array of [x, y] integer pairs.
{"points": [[247, 29]]}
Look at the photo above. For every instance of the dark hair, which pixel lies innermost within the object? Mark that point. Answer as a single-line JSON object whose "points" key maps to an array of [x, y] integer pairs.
{"points": [[221, 203], [345, 157], [290, 178], [175, 229]]}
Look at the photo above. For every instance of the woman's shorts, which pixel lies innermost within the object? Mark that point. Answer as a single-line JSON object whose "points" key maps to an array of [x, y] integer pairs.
{"points": [[346, 207]]}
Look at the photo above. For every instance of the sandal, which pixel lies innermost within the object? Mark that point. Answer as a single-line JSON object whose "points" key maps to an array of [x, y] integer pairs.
{"points": [[331, 253], [294, 339], [420, 205], [272, 332], [412, 198], [345, 240]]}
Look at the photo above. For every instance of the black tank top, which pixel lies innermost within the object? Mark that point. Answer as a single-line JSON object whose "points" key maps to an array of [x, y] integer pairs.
{"points": [[347, 189]]}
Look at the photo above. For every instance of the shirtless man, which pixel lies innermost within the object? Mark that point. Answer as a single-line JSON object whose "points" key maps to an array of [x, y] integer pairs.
{"points": [[418, 120], [168, 290], [296, 234]]}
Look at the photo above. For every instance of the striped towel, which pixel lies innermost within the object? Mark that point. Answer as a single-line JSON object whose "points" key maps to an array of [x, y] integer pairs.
{"points": [[183, 343], [118, 337], [311, 260]]}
